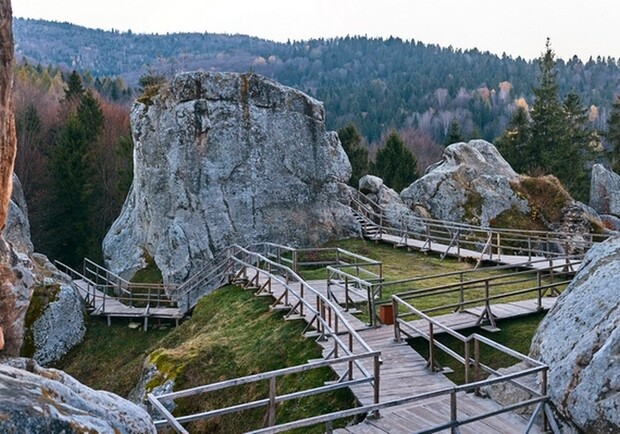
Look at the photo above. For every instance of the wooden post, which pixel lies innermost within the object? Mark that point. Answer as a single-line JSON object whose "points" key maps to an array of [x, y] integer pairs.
{"points": [[271, 416], [454, 429], [499, 247], [377, 369], [396, 324], [476, 360], [346, 293], [543, 391], [461, 293], [351, 352], [466, 354], [302, 285], [539, 283], [431, 347], [529, 248]]}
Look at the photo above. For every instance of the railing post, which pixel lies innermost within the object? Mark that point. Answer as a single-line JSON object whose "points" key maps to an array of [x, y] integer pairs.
{"points": [[431, 347], [396, 323], [271, 418], [350, 352], [377, 373], [454, 429], [499, 247], [466, 354], [543, 389], [476, 360], [539, 284], [529, 248], [295, 261], [461, 293], [346, 293]]}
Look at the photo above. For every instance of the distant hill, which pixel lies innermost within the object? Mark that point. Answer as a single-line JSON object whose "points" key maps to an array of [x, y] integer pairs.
{"points": [[378, 84]]}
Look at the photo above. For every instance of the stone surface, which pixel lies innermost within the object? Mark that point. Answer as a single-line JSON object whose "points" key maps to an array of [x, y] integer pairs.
{"points": [[580, 341], [39, 400], [60, 327], [370, 184], [223, 158], [17, 228], [471, 185], [605, 191]]}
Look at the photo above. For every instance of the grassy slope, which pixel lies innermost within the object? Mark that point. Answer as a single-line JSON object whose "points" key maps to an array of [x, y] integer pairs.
{"points": [[232, 333]]}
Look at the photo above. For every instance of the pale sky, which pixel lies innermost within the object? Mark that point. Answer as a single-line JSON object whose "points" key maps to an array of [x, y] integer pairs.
{"points": [[519, 28]]}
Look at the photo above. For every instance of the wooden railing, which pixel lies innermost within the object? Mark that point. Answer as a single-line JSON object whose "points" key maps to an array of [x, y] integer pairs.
{"points": [[489, 243], [473, 366], [103, 285], [303, 301]]}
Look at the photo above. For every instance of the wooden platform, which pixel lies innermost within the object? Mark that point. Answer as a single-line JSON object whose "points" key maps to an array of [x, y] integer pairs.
{"points": [[538, 262], [404, 373], [113, 308]]}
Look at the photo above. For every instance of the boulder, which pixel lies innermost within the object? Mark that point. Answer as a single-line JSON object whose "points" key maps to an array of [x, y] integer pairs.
{"points": [[605, 191], [370, 184], [580, 341], [395, 212], [471, 185], [37, 400], [223, 158]]}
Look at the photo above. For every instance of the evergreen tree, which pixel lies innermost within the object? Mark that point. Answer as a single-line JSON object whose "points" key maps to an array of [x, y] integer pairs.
{"points": [[575, 149], [396, 164], [514, 143], [613, 136], [547, 116], [358, 155], [74, 87], [74, 186], [67, 226], [454, 134]]}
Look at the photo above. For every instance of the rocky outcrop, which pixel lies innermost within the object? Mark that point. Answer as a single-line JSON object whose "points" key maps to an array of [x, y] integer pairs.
{"points": [[17, 227], [471, 185], [605, 191], [38, 400], [223, 158], [580, 341], [396, 213]]}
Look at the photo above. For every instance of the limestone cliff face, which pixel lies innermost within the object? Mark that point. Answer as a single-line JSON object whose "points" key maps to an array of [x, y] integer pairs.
{"points": [[580, 341], [224, 158]]}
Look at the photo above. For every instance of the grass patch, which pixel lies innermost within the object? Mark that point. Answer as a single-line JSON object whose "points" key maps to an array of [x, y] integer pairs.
{"points": [[514, 333], [232, 333], [110, 358]]}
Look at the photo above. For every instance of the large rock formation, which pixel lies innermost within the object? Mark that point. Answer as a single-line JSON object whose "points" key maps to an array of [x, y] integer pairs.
{"points": [[38, 400], [223, 158], [580, 341], [474, 184], [605, 195], [471, 184]]}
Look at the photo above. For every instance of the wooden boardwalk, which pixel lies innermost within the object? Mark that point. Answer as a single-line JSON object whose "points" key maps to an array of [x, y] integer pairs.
{"points": [[405, 373], [110, 307], [537, 262]]}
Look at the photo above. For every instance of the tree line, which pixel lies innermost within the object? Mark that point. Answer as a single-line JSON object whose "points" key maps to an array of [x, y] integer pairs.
{"points": [[74, 160]]}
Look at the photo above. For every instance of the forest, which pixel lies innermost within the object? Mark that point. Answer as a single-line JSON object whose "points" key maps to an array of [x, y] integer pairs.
{"points": [[394, 103]]}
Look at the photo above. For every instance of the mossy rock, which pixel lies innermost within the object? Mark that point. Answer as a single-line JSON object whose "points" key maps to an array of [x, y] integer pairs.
{"points": [[42, 297]]}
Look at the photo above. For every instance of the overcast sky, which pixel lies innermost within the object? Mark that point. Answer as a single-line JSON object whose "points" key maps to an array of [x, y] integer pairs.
{"points": [[518, 27]]}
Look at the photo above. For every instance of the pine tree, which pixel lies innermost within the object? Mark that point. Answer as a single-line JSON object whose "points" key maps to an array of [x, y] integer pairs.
{"points": [[514, 143], [74, 87], [454, 134], [358, 155], [547, 116], [396, 164], [575, 149], [612, 136]]}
